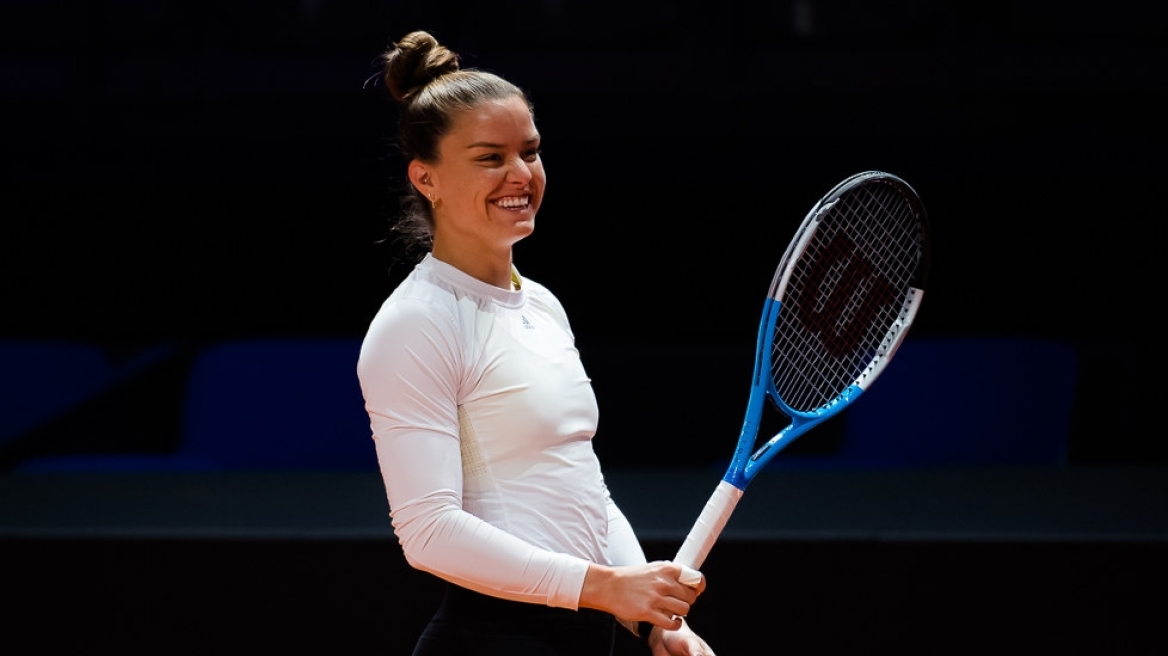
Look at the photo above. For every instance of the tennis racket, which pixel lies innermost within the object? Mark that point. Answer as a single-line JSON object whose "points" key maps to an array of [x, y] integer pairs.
{"points": [[841, 301]]}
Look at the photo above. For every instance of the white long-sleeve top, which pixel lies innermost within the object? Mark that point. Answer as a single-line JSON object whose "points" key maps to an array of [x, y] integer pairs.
{"points": [[483, 418]]}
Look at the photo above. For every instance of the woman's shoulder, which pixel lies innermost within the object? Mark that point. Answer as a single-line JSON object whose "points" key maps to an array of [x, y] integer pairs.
{"points": [[540, 296], [538, 292], [415, 319]]}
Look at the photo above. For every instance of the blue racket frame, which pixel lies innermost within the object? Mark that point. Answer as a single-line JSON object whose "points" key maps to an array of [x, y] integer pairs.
{"points": [[748, 460]]}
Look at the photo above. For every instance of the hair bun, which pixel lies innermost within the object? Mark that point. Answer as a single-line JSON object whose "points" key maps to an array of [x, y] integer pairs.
{"points": [[414, 61]]}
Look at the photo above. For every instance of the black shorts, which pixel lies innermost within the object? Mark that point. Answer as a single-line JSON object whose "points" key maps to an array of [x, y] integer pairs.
{"points": [[471, 623]]}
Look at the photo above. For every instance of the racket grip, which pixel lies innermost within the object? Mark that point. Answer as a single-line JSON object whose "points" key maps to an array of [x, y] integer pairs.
{"points": [[709, 526]]}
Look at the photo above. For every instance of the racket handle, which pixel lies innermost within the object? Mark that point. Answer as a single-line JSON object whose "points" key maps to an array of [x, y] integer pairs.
{"points": [[709, 526]]}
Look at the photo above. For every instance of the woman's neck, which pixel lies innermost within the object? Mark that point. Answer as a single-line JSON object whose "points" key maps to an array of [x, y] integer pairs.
{"points": [[493, 270]]}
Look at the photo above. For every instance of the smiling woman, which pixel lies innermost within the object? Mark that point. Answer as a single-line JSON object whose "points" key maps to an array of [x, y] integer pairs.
{"points": [[472, 149], [485, 186], [481, 411]]}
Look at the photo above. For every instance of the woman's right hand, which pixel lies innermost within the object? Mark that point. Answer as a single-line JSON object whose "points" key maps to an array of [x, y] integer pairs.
{"points": [[652, 592]]}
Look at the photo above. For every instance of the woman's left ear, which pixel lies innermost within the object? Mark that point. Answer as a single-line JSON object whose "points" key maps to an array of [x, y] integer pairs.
{"points": [[420, 177]]}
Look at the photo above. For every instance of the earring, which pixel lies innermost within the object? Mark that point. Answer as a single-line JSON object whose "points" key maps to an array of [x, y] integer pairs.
{"points": [[433, 203]]}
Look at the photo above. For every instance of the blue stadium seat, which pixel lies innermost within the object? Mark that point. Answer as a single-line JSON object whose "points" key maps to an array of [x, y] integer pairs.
{"points": [[259, 404], [278, 404], [40, 379], [960, 401]]}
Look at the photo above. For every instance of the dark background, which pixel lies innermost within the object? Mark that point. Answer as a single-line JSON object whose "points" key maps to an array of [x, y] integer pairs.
{"points": [[179, 173], [185, 172]]}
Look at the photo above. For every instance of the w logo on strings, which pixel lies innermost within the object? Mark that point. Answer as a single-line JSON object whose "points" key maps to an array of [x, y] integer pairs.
{"points": [[844, 293]]}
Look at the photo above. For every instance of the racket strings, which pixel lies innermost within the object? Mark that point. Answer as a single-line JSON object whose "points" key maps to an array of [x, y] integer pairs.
{"points": [[846, 296], [894, 241]]}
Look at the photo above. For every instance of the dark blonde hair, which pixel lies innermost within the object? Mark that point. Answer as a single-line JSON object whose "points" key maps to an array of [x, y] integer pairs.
{"points": [[431, 89]]}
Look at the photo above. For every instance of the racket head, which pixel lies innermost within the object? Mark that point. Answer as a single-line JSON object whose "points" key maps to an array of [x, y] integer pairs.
{"points": [[849, 287]]}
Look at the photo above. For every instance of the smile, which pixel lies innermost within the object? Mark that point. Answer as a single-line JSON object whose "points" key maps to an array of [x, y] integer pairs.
{"points": [[513, 202]]}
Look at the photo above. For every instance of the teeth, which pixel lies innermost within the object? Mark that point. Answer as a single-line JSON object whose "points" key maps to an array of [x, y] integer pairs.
{"points": [[513, 201]]}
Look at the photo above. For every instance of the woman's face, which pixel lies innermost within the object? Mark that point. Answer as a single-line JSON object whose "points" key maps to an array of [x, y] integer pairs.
{"points": [[489, 178]]}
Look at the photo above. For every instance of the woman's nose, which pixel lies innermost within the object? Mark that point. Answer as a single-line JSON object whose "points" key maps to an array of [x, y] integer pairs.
{"points": [[520, 171]]}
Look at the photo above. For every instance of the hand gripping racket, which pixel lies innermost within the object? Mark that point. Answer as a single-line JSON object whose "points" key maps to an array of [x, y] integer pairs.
{"points": [[842, 299]]}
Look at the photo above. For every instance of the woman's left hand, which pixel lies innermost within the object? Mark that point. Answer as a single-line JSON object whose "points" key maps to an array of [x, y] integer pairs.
{"points": [[682, 642]]}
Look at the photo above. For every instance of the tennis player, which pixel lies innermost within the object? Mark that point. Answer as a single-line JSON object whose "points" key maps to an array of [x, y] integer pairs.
{"points": [[480, 408]]}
